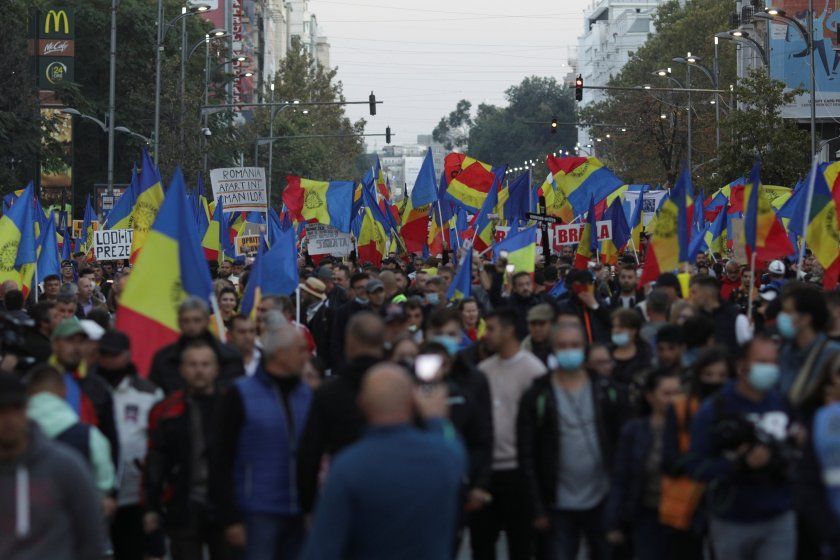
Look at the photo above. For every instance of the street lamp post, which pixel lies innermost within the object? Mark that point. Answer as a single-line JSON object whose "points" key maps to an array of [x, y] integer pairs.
{"points": [[112, 89], [716, 71]]}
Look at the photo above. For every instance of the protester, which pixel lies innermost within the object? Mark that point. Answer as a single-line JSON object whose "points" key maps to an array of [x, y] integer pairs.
{"points": [[397, 477], [629, 294], [567, 428], [740, 443], [243, 337], [582, 302], [538, 341], [359, 303], [630, 354], [48, 500], [193, 322], [257, 442], [510, 371], [179, 473], [657, 315], [134, 398], [472, 323]]}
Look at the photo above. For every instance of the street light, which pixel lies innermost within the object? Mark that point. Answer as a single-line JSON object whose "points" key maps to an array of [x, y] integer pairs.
{"points": [[779, 16], [126, 130], [162, 30]]}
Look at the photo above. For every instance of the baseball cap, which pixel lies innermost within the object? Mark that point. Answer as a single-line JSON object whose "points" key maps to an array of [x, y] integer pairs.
{"points": [[776, 267], [541, 312], [374, 285], [92, 329], [12, 391], [114, 343], [67, 328], [324, 273], [67, 262]]}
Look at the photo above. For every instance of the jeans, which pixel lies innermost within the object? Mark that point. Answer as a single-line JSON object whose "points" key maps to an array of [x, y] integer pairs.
{"points": [[273, 537], [774, 539], [509, 511], [649, 537], [567, 528]]}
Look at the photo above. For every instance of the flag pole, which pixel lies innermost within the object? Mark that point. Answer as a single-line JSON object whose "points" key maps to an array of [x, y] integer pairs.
{"points": [[297, 304], [440, 227], [220, 325], [635, 253], [808, 200], [752, 283]]}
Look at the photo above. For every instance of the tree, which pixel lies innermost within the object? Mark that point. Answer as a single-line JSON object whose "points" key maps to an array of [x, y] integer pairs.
{"points": [[331, 158], [453, 131], [653, 149], [522, 130], [758, 129]]}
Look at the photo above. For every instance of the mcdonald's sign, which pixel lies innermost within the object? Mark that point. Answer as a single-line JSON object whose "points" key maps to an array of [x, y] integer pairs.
{"points": [[57, 23]]}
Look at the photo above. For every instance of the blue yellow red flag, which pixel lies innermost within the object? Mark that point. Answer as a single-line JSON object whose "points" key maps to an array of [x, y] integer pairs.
{"points": [[467, 181], [18, 251], [120, 215], [48, 257], [461, 285], [146, 206], [580, 179], [521, 249], [425, 187], [324, 202], [764, 234]]}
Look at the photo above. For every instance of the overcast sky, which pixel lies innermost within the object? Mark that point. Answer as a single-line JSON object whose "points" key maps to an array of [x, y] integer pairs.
{"points": [[421, 57]]}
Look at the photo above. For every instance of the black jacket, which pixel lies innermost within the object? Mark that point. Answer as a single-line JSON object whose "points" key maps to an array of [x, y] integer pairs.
{"points": [[599, 319], [168, 473], [334, 422], [339, 328], [321, 327], [471, 414], [165, 366], [519, 304], [538, 438], [629, 474], [724, 318]]}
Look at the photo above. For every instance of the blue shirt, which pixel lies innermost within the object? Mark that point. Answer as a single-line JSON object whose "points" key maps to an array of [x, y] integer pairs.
{"points": [[394, 494]]}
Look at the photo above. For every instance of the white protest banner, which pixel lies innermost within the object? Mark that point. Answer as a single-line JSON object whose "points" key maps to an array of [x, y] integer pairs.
{"points": [[112, 244], [324, 239], [242, 188], [650, 203], [569, 234], [246, 245]]}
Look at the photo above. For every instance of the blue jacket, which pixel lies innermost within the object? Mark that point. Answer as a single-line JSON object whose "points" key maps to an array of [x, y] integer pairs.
{"points": [[264, 478], [629, 475], [736, 492], [392, 495]]}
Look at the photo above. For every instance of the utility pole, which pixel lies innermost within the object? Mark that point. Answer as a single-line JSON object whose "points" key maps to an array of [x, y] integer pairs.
{"points": [[112, 86]]}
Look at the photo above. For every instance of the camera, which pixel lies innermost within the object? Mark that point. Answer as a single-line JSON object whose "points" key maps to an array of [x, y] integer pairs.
{"points": [[732, 433], [13, 333], [207, 132]]}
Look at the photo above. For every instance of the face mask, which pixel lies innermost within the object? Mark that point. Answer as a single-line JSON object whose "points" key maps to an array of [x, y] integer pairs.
{"points": [[433, 298], [763, 376], [448, 342], [784, 322], [620, 339], [361, 300], [566, 360], [412, 328]]}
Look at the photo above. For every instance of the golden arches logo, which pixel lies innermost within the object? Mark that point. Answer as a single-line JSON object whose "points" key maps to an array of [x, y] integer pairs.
{"points": [[57, 18]]}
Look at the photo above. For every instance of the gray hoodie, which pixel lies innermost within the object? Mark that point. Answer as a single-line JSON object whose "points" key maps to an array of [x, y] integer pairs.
{"points": [[49, 505]]}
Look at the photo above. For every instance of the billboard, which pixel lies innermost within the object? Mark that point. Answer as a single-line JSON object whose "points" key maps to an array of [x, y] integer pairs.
{"points": [[789, 61]]}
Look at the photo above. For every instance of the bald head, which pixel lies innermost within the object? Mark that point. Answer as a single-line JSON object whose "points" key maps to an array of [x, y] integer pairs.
{"points": [[387, 395], [365, 336]]}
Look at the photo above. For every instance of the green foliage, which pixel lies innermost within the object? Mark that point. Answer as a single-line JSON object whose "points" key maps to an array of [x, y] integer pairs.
{"points": [[453, 130], [653, 149], [759, 129]]}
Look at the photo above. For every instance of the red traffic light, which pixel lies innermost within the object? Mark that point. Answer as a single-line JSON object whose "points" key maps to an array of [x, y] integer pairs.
{"points": [[579, 87]]}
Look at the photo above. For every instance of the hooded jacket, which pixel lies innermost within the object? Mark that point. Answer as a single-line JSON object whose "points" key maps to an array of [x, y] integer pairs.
{"points": [[49, 506], [55, 417]]}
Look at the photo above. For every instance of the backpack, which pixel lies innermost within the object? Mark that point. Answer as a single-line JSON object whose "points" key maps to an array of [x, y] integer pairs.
{"points": [[680, 495]]}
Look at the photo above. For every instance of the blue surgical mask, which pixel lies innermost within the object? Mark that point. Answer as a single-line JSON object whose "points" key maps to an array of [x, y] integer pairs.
{"points": [[433, 298], [566, 360], [449, 342], [763, 377], [784, 322], [620, 338], [361, 300]]}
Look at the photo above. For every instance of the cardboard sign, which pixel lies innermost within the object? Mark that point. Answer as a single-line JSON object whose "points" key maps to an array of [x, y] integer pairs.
{"points": [[569, 234], [77, 227], [242, 188], [323, 239], [112, 244], [247, 245]]}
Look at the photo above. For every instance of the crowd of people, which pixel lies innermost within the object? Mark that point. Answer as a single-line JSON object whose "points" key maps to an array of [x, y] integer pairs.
{"points": [[369, 416]]}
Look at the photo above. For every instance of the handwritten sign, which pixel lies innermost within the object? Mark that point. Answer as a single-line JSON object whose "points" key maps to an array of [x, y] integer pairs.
{"points": [[77, 227], [323, 239], [242, 188], [247, 245], [112, 244]]}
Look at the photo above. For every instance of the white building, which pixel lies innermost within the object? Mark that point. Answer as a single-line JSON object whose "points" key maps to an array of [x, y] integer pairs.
{"points": [[613, 31], [303, 24]]}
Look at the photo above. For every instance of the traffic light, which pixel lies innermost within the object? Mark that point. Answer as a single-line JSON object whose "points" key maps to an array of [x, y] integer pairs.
{"points": [[372, 102], [579, 87], [387, 134], [554, 125]]}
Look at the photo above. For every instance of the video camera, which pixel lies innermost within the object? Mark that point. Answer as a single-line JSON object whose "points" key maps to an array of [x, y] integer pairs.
{"points": [[13, 330], [734, 433]]}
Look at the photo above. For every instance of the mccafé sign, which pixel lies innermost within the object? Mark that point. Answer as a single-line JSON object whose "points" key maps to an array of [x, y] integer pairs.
{"points": [[55, 47]]}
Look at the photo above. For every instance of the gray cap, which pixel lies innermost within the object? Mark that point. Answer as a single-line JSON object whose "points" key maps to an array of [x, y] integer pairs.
{"points": [[374, 285], [324, 273]]}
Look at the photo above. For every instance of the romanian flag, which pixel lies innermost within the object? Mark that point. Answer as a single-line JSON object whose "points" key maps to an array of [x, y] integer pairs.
{"points": [[521, 248], [216, 242], [712, 238], [681, 196], [556, 202], [49, 262], [146, 206], [425, 187], [635, 222], [663, 252], [415, 226], [467, 181], [120, 215], [582, 178], [588, 246], [87, 227], [372, 239], [170, 268], [323, 202], [274, 271], [461, 285], [823, 229], [517, 200], [764, 234], [18, 251], [484, 229], [610, 248]]}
